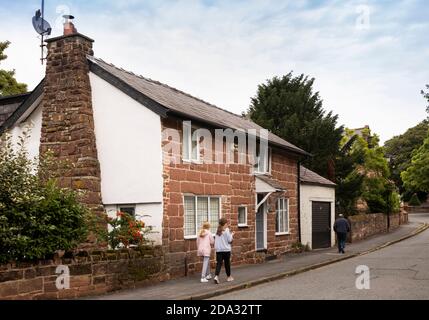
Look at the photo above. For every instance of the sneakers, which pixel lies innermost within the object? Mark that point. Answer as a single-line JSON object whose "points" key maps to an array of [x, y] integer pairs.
{"points": [[204, 280], [209, 277], [230, 279], [216, 280]]}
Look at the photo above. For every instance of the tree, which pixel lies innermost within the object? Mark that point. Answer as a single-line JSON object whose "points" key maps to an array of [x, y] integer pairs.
{"points": [[363, 173], [8, 83], [400, 150], [417, 175], [289, 107], [426, 95]]}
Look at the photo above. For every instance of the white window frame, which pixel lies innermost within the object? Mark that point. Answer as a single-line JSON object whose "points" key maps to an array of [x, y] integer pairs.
{"points": [[257, 167], [193, 237], [245, 224], [284, 211], [188, 139]]}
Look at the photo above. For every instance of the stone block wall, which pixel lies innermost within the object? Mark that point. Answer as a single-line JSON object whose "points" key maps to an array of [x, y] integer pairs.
{"points": [[366, 225], [235, 185], [67, 119], [91, 273]]}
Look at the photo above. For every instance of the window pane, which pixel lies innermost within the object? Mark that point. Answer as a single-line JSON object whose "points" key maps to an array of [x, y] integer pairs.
{"points": [[281, 220], [130, 210], [194, 150], [242, 215], [202, 211], [186, 140], [261, 156], [286, 215], [277, 221], [194, 144], [214, 213], [190, 216]]}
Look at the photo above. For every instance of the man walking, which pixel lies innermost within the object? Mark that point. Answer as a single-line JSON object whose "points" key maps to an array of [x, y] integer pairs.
{"points": [[341, 227]]}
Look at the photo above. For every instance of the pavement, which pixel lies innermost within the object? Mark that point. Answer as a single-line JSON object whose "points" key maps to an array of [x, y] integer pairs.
{"points": [[248, 276], [396, 272]]}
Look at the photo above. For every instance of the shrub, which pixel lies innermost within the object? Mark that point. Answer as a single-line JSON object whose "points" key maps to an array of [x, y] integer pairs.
{"points": [[37, 218], [394, 202], [298, 247], [125, 231], [414, 201]]}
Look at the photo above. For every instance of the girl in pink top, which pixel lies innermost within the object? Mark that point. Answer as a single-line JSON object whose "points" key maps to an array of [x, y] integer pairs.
{"points": [[204, 242]]}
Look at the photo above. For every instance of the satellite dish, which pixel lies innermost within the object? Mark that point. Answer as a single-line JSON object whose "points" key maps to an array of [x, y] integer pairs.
{"points": [[41, 26]]}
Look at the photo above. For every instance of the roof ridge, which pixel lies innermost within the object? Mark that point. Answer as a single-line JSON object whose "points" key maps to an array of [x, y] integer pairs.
{"points": [[170, 87]]}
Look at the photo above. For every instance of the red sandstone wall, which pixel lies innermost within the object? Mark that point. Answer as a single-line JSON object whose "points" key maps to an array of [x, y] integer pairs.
{"points": [[366, 225], [91, 273], [236, 186]]}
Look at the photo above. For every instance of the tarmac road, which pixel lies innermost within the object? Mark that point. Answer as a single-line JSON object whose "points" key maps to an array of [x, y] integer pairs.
{"points": [[400, 271]]}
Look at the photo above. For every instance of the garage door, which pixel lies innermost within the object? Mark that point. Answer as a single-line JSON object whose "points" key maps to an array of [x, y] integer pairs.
{"points": [[321, 225]]}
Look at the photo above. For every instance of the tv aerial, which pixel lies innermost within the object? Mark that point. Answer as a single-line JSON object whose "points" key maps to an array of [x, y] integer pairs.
{"points": [[42, 27]]}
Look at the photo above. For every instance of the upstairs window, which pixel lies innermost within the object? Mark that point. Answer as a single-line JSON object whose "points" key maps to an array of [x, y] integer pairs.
{"points": [[263, 160], [191, 148]]}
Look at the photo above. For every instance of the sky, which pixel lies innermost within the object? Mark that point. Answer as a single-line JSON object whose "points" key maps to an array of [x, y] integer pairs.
{"points": [[370, 59]]}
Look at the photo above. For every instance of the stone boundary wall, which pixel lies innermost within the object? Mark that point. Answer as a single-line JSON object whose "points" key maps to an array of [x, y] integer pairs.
{"points": [[422, 209], [366, 225], [91, 273]]}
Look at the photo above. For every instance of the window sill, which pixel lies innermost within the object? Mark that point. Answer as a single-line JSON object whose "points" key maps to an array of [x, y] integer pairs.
{"points": [[262, 173], [192, 161], [278, 234], [243, 225], [190, 237]]}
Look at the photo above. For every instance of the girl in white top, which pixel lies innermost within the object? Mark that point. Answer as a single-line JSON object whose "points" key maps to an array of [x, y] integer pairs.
{"points": [[223, 241]]}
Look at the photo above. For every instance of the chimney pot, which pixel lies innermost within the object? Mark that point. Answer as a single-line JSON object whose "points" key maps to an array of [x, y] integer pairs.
{"points": [[69, 27]]}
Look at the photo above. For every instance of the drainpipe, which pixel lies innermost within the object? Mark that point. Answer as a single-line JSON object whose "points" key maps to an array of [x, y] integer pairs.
{"points": [[299, 201]]}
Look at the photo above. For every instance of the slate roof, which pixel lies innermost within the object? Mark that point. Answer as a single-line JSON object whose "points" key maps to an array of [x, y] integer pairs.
{"points": [[9, 104], [26, 101], [309, 177], [163, 98]]}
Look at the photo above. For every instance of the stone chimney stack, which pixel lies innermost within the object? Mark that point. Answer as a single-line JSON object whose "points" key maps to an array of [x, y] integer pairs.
{"points": [[67, 121]]}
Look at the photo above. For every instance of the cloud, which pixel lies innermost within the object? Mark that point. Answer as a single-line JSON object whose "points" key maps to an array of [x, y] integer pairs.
{"points": [[221, 50]]}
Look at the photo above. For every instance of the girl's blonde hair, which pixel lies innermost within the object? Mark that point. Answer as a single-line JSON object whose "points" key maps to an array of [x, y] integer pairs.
{"points": [[206, 226]]}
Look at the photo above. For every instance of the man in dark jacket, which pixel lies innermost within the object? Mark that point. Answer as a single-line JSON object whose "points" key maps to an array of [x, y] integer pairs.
{"points": [[341, 227]]}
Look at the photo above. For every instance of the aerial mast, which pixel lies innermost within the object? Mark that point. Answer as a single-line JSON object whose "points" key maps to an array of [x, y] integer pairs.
{"points": [[42, 27]]}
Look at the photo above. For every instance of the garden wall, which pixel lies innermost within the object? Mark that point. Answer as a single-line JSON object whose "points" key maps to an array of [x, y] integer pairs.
{"points": [[421, 209], [91, 273], [366, 225]]}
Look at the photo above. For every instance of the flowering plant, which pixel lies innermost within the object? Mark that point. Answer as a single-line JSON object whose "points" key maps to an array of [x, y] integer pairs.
{"points": [[125, 231]]}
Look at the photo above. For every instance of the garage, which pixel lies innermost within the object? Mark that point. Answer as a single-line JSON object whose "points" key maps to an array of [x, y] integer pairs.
{"points": [[321, 225], [317, 212]]}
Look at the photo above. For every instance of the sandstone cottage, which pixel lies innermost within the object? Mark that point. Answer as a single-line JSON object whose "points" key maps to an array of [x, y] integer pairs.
{"points": [[119, 129]]}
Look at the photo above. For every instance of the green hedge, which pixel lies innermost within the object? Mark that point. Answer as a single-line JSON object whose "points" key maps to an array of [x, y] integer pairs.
{"points": [[37, 218]]}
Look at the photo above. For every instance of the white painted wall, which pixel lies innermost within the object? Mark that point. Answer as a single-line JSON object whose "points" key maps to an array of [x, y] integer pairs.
{"points": [[33, 125], [310, 193], [129, 149]]}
